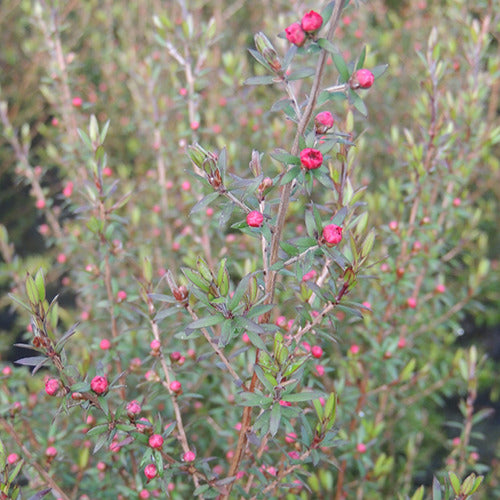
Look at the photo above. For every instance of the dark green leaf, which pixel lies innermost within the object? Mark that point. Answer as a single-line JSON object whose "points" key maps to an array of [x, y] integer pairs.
{"points": [[361, 59], [284, 157], [379, 70], [256, 340], [31, 361], [40, 494], [341, 66], [259, 80], [252, 399], [358, 103], [301, 73], [328, 46], [274, 421], [206, 322], [302, 396], [292, 174]]}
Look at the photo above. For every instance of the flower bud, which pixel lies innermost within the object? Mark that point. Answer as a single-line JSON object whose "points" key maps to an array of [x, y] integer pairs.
{"points": [[255, 219], [51, 386], [363, 78], [150, 471], [323, 122], [295, 34], [312, 21], [332, 234], [267, 51], [99, 384]]}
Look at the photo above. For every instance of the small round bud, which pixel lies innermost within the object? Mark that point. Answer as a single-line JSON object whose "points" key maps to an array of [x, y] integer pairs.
{"points": [[176, 386], [332, 234], [255, 219], [189, 456], [361, 447], [155, 441], [311, 21], [99, 384], [363, 78], [316, 351], [311, 158], [295, 34], [150, 471], [51, 386]]}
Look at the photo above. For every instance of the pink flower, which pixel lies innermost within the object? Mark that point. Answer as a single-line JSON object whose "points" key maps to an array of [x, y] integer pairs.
{"points": [[150, 471], [51, 386], [133, 407], [155, 441], [440, 288], [51, 452], [290, 437], [332, 234], [99, 384], [363, 78], [121, 295], [144, 494], [12, 458], [320, 370], [77, 102], [323, 122], [311, 21], [294, 455], [295, 34], [189, 456], [311, 158], [255, 219]]}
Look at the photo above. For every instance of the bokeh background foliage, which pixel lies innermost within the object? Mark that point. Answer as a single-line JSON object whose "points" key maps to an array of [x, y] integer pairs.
{"points": [[427, 155]]}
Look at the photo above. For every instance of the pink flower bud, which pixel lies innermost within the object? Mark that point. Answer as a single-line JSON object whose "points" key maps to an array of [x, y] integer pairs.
{"points": [[51, 452], [189, 456], [40, 203], [363, 78], [320, 370], [133, 408], [51, 386], [354, 349], [155, 345], [68, 190], [285, 403], [6, 370], [440, 288], [295, 34], [323, 122], [105, 344], [150, 471], [77, 102], [175, 386], [12, 458], [311, 158], [316, 351], [99, 384], [361, 447], [412, 302], [144, 494], [310, 275], [121, 296], [401, 343], [332, 234], [155, 441], [311, 21], [255, 219], [457, 202], [290, 437]]}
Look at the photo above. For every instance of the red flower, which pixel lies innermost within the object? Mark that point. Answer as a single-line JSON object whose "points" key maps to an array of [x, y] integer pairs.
{"points": [[99, 384], [311, 21], [311, 158], [332, 234], [295, 34]]}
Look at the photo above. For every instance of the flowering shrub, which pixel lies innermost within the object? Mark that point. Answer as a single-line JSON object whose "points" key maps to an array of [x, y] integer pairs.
{"points": [[242, 294]]}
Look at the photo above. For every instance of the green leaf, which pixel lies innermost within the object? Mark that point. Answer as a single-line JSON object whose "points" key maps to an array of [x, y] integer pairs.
{"points": [[32, 361], [436, 489], [341, 66], [379, 70], [241, 288], [281, 104], [284, 157], [328, 46], [358, 103], [292, 174], [274, 422], [301, 73], [455, 482], [259, 80], [419, 494], [326, 12], [196, 279], [302, 396], [263, 378], [2, 457], [256, 340], [361, 59], [252, 399], [206, 322]]}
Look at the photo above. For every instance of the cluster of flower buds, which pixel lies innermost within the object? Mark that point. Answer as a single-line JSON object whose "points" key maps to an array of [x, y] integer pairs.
{"points": [[297, 33]]}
